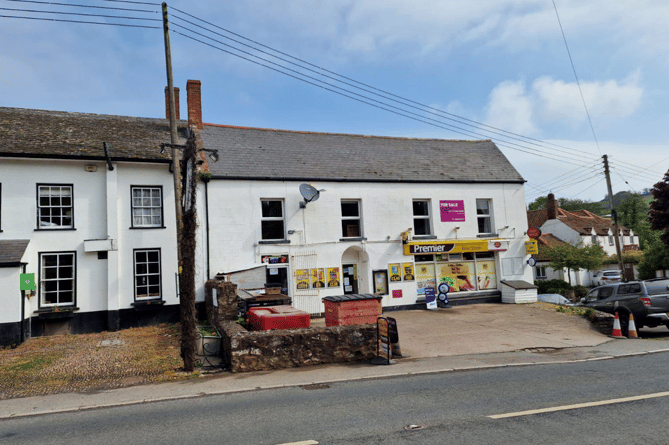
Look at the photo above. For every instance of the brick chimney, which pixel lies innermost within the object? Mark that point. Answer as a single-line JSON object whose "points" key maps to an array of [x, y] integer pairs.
{"points": [[167, 102], [551, 206], [194, 103]]}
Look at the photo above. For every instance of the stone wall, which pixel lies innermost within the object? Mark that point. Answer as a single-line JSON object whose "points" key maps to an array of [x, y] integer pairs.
{"points": [[602, 322], [263, 350], [226, 297]]}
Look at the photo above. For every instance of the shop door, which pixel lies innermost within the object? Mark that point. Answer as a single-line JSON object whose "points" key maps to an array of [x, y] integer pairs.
{"points": [[350, 276], [277, 277]]}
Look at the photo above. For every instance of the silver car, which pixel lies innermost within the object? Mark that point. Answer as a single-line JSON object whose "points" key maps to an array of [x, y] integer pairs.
{"points": [[554, 299], [606, 277]]}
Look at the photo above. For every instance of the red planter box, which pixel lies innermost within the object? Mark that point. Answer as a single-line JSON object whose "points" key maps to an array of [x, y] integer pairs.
{"points": [[278, 317]]}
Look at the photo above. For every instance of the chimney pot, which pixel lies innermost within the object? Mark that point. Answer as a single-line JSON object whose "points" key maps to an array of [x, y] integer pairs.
{"points": [[194, 103], [167, 102]]}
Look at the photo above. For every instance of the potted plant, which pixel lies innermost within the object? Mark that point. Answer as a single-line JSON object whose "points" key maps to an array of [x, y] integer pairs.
{"points": [[209, 341]]}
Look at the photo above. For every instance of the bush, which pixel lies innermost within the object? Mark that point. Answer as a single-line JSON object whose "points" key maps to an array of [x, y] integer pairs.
{"points": [[553, 287], [580, 292]]}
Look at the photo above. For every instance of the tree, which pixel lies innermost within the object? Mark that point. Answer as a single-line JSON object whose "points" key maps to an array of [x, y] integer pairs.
{"points": [[633, 213], [655, 256], [570, 205], [659, 208], [566, 256]]}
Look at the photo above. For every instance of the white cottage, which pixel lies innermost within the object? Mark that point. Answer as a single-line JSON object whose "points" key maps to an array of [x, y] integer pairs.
{"points": [[87, 206], [393, 216]]}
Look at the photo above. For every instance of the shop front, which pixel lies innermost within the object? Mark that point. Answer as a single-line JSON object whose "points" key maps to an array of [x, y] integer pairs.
{"points": [[465, 265]]}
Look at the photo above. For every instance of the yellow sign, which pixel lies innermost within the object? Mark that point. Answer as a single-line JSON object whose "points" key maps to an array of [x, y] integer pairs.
{"points": [[302, 278], [407, 271], [445, 247], [333, 277], [317, 278], [532, 247], [394, 272]]}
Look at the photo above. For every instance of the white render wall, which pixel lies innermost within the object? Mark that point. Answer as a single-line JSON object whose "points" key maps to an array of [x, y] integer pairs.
{"points": [[386, 208], [101, 210]]}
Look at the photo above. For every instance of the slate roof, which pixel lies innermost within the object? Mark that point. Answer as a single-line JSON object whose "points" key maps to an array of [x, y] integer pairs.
{"points": [[59, 134], [11, 252], [582, 221], [256, 153]]}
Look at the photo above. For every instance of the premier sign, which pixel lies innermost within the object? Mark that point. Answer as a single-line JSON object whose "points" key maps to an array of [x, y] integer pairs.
{"points": [[417, 249]]}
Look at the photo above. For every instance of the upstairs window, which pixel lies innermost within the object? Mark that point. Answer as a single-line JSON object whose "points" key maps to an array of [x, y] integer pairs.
{"points": [[611, 240], [55, 207], [484, 216], [272, 224], [421, 217], [351, 226], [147, 206]]}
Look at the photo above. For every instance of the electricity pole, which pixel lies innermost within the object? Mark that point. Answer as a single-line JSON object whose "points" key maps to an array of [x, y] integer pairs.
{"points": [[614, 216], [186, 290]]}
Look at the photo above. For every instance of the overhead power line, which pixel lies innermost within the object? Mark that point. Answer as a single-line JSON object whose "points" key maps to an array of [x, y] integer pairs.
{"points": [[80, 21], [80, 6], [81, 14]]}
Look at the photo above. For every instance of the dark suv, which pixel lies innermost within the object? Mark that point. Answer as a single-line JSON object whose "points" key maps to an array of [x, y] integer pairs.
{"points": [[647, 300]]}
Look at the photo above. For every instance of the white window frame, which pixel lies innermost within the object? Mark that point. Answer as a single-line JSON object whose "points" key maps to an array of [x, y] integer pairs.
{"points": [[57, 279], [143, 209], [594, 239], [352, 218], [487, 216], [143, 279], [281, 218], [427, 217], [541, 272], [611, 240], [46, 211]]}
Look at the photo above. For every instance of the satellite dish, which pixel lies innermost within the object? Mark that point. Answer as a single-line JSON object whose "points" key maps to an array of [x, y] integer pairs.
{"points": [[309, 193]]}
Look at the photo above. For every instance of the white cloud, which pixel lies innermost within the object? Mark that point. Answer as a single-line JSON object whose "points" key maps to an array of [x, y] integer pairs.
{"points": [[511, 109], [550, 101]]}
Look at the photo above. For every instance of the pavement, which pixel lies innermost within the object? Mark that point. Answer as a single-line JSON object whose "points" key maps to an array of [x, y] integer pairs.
{"points": [[448, 340]]}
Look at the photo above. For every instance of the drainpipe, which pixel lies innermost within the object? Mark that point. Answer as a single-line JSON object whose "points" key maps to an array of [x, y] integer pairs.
{"points": [[206, 218], [23, 306]]}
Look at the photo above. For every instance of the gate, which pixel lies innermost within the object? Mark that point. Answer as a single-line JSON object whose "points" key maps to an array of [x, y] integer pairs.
{"points": [[307, 299]]}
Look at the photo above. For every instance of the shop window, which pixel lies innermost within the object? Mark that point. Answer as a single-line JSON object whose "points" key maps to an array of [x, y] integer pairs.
{"points": [[423, 258], [57, 279], [272, 224], [147, 274], [147, 206], [55, 207], [421, 217], [484, 216], [351, 226]]}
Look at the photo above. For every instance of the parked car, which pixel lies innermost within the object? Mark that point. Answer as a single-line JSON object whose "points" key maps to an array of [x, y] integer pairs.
{"points": [[606, 277], [648, 300], [555, 299]]}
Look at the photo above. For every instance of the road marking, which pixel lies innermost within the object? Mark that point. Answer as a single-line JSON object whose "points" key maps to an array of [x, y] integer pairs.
{"points": [[579, 405], [304, 442]]}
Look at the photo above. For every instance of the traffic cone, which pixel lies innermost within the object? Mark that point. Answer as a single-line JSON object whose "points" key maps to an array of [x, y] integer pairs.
{"points": [[617, 333], [632, 328]]}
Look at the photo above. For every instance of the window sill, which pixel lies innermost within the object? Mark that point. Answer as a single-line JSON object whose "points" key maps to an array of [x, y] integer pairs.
{"points": [[424, 237], [148, 305], [147, 228], [45, 229], [358, 238], [56, 313], [275, 241]]}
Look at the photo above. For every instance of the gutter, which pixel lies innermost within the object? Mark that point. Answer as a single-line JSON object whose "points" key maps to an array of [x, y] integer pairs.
{"points": [[23, 306], [206, 219]]}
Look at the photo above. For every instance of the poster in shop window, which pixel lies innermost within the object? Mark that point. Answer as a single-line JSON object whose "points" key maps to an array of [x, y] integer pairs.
{"points": [[333, 277], [394, 272], [425, 278], [485, 272], [317, 278], [302, 278], [459, 276], [407, 271]]}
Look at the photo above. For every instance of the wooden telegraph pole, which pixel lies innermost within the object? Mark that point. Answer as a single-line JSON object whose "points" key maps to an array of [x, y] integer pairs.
{"points": [[614, 216], [187, 298]]}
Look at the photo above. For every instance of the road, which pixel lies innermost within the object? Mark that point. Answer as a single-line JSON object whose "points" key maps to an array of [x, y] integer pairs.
{"points": [[452, 408]]}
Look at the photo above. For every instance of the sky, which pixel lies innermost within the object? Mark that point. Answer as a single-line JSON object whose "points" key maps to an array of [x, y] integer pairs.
{"points": [[489, 69]]}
